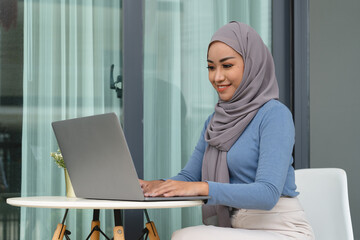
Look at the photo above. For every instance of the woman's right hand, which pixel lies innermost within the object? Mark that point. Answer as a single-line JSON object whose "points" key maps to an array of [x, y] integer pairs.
{"points": [[149, 186]]}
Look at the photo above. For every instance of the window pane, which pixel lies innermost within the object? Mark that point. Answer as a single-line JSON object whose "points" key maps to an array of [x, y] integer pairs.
{"points": [[54, 64], [177, 94], [11, 101]]}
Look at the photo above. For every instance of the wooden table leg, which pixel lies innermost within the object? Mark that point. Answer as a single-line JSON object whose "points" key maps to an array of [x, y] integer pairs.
{"points": [[61, 228], [118, 231], [95, 224], [153, 235], [59, 232], [150, 225], [96, 234]]}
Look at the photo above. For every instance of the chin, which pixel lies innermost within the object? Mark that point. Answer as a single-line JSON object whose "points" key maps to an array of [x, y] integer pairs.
{"points": [[225, 99]]}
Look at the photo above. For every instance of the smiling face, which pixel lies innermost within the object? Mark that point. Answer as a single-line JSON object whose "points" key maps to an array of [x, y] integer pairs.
{"points": [[226, 68]]}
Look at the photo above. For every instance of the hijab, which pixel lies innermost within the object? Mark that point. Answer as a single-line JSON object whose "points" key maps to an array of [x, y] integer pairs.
{"points": [[230, 119]]}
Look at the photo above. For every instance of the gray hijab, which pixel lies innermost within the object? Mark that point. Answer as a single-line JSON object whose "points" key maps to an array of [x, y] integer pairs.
{"points": [[230, 119]]}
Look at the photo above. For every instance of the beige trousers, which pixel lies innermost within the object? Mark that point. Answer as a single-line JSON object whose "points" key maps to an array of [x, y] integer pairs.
{"points": [[285, 221]]}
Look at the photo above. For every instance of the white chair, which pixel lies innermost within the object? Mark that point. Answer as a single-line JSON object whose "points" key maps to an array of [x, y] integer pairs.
{"points": [[324, 197]]}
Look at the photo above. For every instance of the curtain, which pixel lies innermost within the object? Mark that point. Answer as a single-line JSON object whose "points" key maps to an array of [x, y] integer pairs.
{"points": [[177, 94], [69, 46]]}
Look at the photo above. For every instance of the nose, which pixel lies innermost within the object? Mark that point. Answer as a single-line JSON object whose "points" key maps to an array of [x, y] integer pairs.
{"points": [[219, 75]]}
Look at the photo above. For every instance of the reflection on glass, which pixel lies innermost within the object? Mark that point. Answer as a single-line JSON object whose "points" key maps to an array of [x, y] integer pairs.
{"points": [[178, 97], [11, 99]]}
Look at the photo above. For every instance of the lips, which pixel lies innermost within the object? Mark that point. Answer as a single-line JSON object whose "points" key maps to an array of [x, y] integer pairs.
{"points": [[221, 88]]}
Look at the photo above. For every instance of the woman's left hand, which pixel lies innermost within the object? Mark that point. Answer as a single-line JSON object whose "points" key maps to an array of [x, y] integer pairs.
{"points": [[170, 188]]}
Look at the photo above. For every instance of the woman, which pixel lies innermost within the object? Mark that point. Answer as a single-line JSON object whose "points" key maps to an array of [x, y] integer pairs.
{"points": [[243, 159]]}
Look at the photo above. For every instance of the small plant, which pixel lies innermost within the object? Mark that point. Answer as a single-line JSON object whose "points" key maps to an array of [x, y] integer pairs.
{"points": [[58, 158]]}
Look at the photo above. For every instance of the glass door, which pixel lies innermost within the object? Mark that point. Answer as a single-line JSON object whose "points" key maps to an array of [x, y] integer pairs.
{"points": [[11, 97], [178, 97], [55, 63]]}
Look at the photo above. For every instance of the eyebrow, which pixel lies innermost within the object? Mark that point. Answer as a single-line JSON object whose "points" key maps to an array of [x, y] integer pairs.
{"points": [[221, 60]]}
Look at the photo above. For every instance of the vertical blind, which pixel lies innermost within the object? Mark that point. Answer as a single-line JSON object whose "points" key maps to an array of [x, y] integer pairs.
{"points": [[69, 46]]}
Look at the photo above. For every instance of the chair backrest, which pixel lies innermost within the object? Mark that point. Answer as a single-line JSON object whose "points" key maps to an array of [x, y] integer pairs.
{"points": [[324, 197]]}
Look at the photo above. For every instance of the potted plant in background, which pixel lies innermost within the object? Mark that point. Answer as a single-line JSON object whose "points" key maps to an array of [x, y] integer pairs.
{"points": [[59, 160]]}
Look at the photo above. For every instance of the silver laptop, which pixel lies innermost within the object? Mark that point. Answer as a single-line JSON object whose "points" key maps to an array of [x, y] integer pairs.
{"points": [[99, 161]]}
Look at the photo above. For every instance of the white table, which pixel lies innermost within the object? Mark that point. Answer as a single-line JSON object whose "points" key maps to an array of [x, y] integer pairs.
{"points": [[81, 203]]}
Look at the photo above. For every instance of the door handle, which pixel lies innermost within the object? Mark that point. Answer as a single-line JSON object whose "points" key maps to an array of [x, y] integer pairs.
{"points": [[118, 84]]}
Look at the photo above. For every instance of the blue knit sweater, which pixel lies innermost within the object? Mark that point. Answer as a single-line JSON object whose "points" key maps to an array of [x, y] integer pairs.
{"points": [[259, 162]]}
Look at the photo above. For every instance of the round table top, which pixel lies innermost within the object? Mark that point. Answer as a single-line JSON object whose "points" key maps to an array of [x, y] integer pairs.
{"points": [[81, 203]]}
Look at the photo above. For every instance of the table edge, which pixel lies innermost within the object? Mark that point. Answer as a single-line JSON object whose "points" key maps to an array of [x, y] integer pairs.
{"points": [[62, 202]]}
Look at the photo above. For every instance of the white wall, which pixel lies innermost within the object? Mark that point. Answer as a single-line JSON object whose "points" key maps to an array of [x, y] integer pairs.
{"points": [[335, 92]]}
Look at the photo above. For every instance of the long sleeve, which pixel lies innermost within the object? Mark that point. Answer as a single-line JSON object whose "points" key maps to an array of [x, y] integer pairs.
{"points": [[260, 162]]}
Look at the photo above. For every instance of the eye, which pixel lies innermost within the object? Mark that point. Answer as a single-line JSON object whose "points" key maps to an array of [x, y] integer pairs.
{"points": [[227, 65], [210, 67]]}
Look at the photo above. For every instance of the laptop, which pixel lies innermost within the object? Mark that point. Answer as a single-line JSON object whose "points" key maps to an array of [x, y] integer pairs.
{"points": [[98, 159]]}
